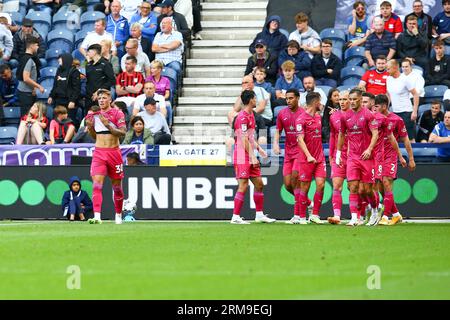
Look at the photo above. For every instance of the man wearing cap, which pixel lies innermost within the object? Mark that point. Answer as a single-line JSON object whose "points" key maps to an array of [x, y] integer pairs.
{"points": [[179, 22], [265, 59], [20, 46], [155, 122]]}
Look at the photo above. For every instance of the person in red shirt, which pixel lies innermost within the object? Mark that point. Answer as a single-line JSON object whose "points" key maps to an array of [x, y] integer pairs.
{"points": [[374, 81], [392, 22], [32, 125], [129, 83], [62, 128]]}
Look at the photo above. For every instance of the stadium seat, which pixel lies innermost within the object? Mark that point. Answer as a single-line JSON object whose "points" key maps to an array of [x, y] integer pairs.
{"points": [[354, 56], [76, 54], [423, 108], [418, 68], [337, 52], [47, 72], [11, 116], [352, 72], [285, 32], [47, 83], [434, 92], [43, 96], [88, 18], [345, 88], [8, 135], [67, 19], [42, 21], [337, 36], [52, 57], [16, 17], [277, 110], [351, 81], [79, 37], [60, 39], [325, 89]]}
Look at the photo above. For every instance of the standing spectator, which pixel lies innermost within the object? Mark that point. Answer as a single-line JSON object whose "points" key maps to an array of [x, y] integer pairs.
{"points": [[147, 19], [398, 89], [262, 58], [178, 20], [413, 44], [143, 63], [439, 66], [326, 67], [144, 44], [8, 86], [28, 75], [96, 37], [299, 57], [285, 82], [441, 23], [441, 134], [19, 44], [6, 41], [138, 134], [415, 77], [162, 84], [424, 21], [358, 25], [156, 122], [428, 120], [149, 92], [130, 82], [62, 128], [379, 43], [107, 54], [168, 46], [117, 25], [309, 84], [392, 22], [275, 41], [374, 81], [196, 16], [76, 202], [331, 106], [67, 86], [32, 125], [307, 38], [129, 8]]}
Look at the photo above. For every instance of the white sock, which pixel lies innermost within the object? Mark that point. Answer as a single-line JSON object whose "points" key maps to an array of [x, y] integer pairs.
{"points": [[119, 216], [235, 216], [396, 214], [380, 206], [375, 211], [97, 215], [259, 214], [354, 216]]}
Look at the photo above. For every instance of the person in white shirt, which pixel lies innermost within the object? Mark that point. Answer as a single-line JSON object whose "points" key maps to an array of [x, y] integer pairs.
{"points": [[155, 122], [309, 84], [149, 92], [415, 76], [129, 8], [308, 39], [96, 36], [143, 63]]}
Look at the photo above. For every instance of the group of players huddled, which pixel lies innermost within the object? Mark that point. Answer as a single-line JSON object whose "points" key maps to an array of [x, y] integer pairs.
{"points": [[363, 149]]}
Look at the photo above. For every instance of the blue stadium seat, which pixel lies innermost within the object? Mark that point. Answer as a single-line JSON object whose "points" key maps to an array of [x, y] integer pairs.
{"points": [[337, 52], [76, 54], [423, 108], [434, 92], [285, 32], [11, 116], [8, 135], [43, 96], [42, 21], [52, 56], [16, 17], [60, 39], [277, 110], [354, 56], [418, 68], [67, 19], [88, 18], [47, 83], [352, 72], [325, 89], [47, 72], [337, 36], [345, 88], [79, 37], [351, 81]]}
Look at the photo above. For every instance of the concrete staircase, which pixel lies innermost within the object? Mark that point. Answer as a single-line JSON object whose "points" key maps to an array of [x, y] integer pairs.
{"points": [[215, 69]]}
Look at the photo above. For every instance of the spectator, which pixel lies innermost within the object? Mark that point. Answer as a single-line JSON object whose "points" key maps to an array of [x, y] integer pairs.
{"points": [[358, 25], [168, 46], [129, 83], [262, 58], [145, 45], [428, 120], [413, 44], [179, 22], [398, 88], [156, 122], [439, 66], [185, 8], [143, 63], [129, 8], [32, 125], [19, 44], [6, 41], [149, 92], [424, 21], [75, 201], [307, 38], [331, 106], [326, 67], [379, 43], [415, 77], [66, 89], [138, 134], [299, 57], [441, 134], [28, 75], [82, 135], [446, 100], [392, 22], [374, 81], [275, 41], [107, 54], [285, 82], [441, 23], [260, 77], [162, 84], [147, 19], [8, 86], [309, 84], [122, 106], [62, 128], [96, 37], [196, 16], [9, 23], [134, 160], [43, 5], [117, 25]]}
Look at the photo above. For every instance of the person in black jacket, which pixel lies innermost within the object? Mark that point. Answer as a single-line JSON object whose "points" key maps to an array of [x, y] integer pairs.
{"points": [[425, 21], [438, 67], [265, 59], [429, 120], [326, 67], [75, 201], [275, 40], [19, 43], [67, 87], [167, 10]]}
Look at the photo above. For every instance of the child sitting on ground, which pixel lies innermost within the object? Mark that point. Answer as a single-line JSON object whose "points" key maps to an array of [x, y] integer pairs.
{"points": [[76, 202]]}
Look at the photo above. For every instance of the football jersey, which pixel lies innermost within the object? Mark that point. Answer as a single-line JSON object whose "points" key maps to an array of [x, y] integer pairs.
{"points": [[286, 121], [393, 24], [114, 116], [395, 125], [375, 81], [378, 150], [335, 125], [310, 127], [244, 126]]}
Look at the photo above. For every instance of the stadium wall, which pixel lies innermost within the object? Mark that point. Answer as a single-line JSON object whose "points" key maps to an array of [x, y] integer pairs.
{"points": [[199, 192]]}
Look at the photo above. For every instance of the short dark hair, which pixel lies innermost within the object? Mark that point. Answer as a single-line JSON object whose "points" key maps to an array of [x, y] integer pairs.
{"points": [[369, 95], [406, 60], [445, 1], [359, 3], [136, 119], [246, 96], [293, 43], [4, 67], [103, 21], [60, 109], [355, 90], [385, 4], [122, 106], [294, 91], [311, 97], [132, 58], [30, 40], [436, 102], [327, 41], [95, 47], [382, 99], [439, 42], [380, 57]]}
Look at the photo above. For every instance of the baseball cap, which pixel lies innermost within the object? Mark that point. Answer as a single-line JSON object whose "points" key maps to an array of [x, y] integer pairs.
{"points": [[166, 3], [149, 101], [27, 22], [260, 42]]}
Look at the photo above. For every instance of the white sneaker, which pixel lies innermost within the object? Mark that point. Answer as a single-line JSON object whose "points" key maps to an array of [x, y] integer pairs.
{"points": [[362, 221], [309, 210], [352, 223], [373, 221], [315, 219], [264, 219], [239, 220], [294, 220], [303, 221], [198, 36]]}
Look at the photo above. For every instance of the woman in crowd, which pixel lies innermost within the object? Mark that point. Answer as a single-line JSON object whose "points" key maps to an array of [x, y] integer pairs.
{"points": [[32, 125], [332, 105], [106, 53], [138, 134], [162, 84]]}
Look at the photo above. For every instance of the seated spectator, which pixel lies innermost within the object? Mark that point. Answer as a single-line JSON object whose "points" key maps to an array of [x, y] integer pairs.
{"points": [[9, 23], [441, 23], [179, 22], [309, 85], [145, 45], [8, 86], [414, 76], [308, 39], [429, 120], [162, 84], [117, 25], [262, 58], [19, 44], [149, 92], [138, 134], [285, 82], [260, 77], [329, 108], [32, 125], [358, 25], [379, 43], [107, 54], [82, 135], [299, 57], [147, 19], [439, 66], [392, 22], [143, 63], [129, 8], [374, 81], [62, 128], [168, 46], [96, 37], [156, 122], [441, 134], [326, 67], [122, 106], [75, 201], [6, 41], [424, 21], [413, 45], [129, 83], [276, 41]]}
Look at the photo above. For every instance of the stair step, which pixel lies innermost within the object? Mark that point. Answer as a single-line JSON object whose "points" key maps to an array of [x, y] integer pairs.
{"points": [[211, 91], [182, 139], [216, 62], [187, 110], [233, 15], [210, 72], [233, 24], [212, 81], [221, 43], [234, 5], [200, 120], [230, 34], [220, 53], [203, 130], [207, 100]]}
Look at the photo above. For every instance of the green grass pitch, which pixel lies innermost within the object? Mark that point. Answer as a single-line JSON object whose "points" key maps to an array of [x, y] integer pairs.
{"points": [[216, 260]]}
